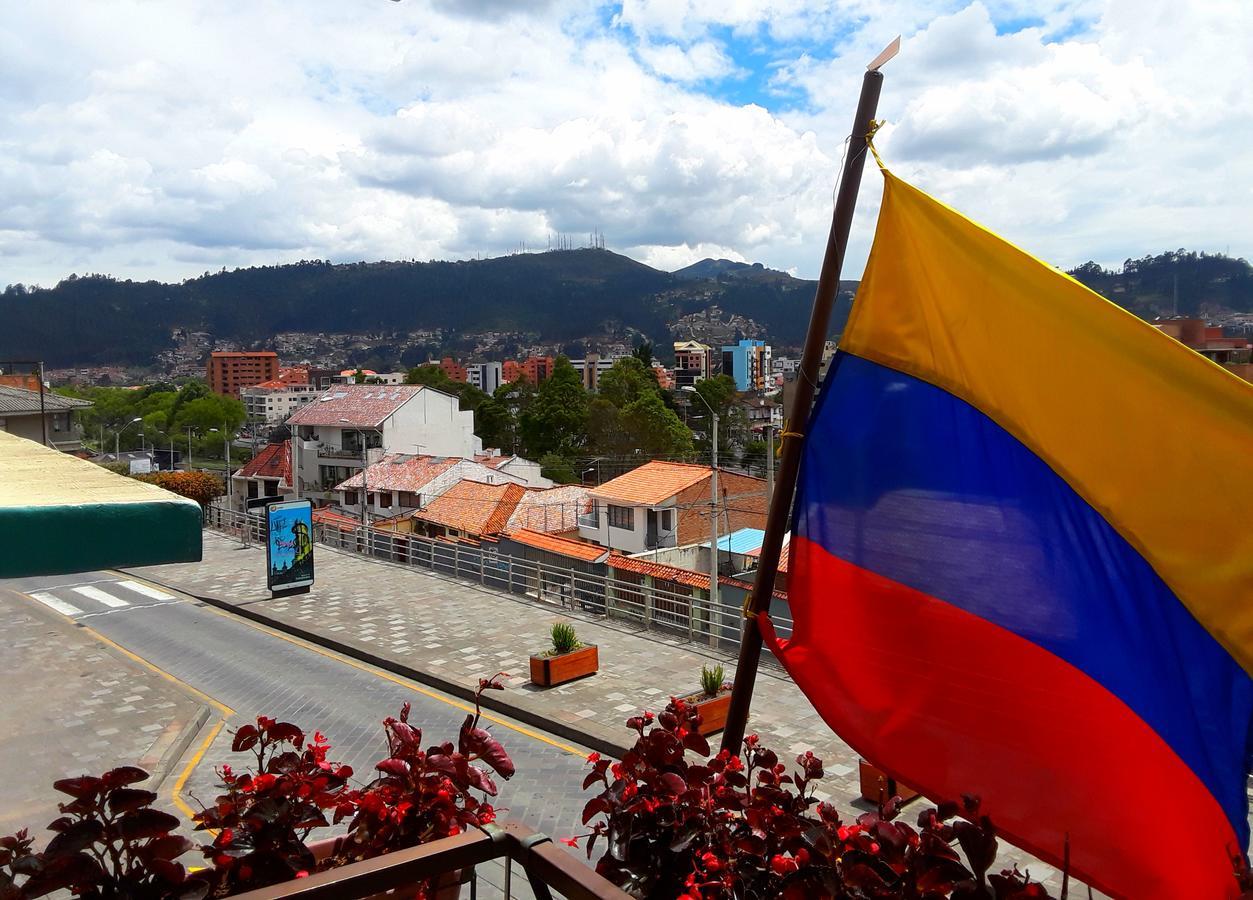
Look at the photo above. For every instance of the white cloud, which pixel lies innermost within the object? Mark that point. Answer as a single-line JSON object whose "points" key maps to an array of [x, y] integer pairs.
{"points": [[702, 60], [158, 141]]}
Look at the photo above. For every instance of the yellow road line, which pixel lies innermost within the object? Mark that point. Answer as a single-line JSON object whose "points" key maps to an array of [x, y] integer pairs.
{"points": [[176, 793], [376, 672], [225, 711], [396, 679], [222, 708]]}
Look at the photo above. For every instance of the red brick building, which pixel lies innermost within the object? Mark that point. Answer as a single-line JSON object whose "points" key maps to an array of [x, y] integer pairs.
{"points": [[227, 372], [453, 369]]}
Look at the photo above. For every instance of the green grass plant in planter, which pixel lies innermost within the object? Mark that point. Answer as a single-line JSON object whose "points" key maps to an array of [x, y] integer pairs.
{"points": [[564, 637], [567, 659], [711, 679]]}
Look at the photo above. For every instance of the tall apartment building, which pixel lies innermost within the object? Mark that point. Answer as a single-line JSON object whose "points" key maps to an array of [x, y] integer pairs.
{"points": [[593, 367], [486, 376], [272, 402], [453, 369], [692, 362], [228, 372], [536, 369], [748, 362]]}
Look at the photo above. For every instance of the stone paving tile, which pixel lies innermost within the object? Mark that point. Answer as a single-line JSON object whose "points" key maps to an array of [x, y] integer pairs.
{"points": [[454, 628], [70, 707]]}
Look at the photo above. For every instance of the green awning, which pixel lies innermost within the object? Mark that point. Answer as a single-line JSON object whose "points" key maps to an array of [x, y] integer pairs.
{"points": [[61, 514]]}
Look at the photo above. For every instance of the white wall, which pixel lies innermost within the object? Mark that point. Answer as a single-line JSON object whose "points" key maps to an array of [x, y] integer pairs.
{"points": [[431, 424]]}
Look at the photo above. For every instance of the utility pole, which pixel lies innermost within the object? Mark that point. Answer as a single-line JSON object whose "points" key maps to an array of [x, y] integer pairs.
{"points": [[188, 448], [769, 464], [715, 614]]}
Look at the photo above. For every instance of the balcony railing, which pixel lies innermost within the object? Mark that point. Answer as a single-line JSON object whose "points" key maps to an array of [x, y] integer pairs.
{"points": [[338, 452], [544, 864], [589, 520]]}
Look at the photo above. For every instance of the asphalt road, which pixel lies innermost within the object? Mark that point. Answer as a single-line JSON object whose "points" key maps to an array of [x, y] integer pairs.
{"points": [[245, 670]]}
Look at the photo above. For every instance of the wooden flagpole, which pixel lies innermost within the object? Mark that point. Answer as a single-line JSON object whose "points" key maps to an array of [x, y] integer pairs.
{"points": [[807, 380]]}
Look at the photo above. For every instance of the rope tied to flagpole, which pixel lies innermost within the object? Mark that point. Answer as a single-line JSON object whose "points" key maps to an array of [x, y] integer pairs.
{"points": [[875, 125]]}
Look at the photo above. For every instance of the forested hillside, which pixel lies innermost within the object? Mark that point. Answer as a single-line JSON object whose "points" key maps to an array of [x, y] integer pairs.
{"points": [[563, 296]]}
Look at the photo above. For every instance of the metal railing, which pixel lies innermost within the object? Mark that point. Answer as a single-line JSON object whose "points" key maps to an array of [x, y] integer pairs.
{"points": [[648, 602], [544, 865], [339, 452]]}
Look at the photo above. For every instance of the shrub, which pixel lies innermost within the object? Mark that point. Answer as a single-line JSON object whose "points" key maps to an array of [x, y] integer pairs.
{"points": [[199, 486], [564, 637], [712, 680], [109, 842], [265, 816], [743, 826], [424, 795]]}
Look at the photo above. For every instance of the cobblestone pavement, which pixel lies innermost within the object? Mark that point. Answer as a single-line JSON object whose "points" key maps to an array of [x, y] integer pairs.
{"points": [[71, 705], [461, 631], [248, 670]]}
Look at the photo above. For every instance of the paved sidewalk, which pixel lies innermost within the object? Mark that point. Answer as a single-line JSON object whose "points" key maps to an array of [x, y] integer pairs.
{"points": [[459, 632], [456, 632], [71, 706]]}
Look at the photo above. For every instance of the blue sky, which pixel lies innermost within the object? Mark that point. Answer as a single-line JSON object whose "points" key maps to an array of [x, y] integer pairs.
{"points": [[244, 132]]}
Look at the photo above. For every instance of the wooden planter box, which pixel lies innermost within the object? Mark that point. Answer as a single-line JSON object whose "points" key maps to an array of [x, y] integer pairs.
{"points": [[876, 785], [713, 710], [447, 885], [550, 670]]}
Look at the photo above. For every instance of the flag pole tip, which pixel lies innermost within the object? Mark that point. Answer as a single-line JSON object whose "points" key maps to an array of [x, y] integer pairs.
{"points": [[888, 52]]}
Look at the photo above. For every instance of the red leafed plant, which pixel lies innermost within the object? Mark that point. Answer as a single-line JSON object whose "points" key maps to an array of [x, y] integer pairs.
{"points": [[265, 816], [745, 827], [423, 795], [109, 842]]}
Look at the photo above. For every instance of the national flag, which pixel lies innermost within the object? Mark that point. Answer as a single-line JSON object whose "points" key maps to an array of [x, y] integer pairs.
{"points": [[1022, 558]]}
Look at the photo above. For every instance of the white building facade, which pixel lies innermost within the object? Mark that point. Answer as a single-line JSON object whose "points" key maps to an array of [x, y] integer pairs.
{"points": [[273, 401], [332, 436]]}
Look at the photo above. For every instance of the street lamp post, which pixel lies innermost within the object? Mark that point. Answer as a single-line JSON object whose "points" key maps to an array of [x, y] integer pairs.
{"points": [[713, 520], [188, 466], [226, 455], [117, 438]]}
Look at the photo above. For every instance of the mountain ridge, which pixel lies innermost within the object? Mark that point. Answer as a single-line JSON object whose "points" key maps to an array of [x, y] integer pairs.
{"points": [[564, 296]]}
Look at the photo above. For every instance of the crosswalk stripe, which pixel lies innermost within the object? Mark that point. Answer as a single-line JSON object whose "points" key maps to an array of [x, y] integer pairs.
{"points": [[65, 609], [147, 591], [101, 596]]}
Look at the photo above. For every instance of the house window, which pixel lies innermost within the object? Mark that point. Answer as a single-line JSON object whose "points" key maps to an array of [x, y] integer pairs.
{"points": [[350, 498], [252, 489], [667, 520], [622, 517]]}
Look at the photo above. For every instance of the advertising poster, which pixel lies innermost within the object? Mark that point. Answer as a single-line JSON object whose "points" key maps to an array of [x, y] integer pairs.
{"points": [[289, 546]]}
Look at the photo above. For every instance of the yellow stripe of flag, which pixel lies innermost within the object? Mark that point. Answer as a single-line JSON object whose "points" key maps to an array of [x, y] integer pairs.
{"points": [[1154, 436]]}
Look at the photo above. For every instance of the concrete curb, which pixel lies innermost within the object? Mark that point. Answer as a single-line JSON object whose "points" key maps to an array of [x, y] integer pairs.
{"points": [[174, 752], [490, 700]]}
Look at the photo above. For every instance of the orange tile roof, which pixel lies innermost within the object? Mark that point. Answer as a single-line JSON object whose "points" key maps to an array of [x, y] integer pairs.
{"points": [[554, 509], [400, 472], [493, 462], [653, 482], [473, 507], [783, 554], [327, 516], [592, 553], [274, 461], [675, 574]]}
